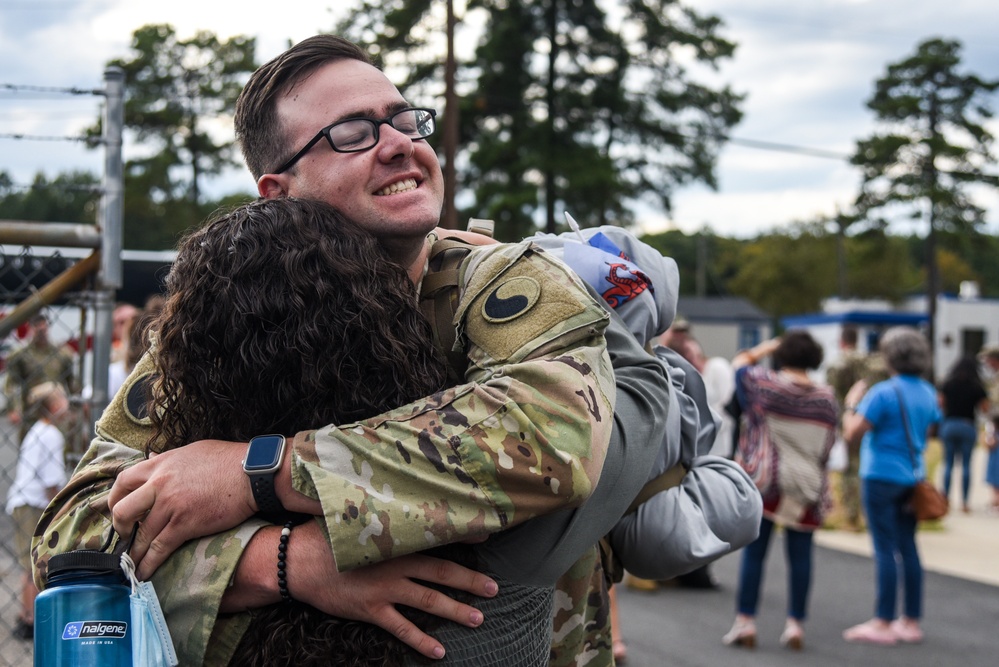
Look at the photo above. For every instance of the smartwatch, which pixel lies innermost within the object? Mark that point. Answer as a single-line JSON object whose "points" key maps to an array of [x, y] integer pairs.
{"points": [[263, 460]]}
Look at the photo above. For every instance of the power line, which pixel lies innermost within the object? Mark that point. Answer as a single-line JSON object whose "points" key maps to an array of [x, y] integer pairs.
{"points": [[835, 155], [14, 88], [786, 148], [39, 137]]}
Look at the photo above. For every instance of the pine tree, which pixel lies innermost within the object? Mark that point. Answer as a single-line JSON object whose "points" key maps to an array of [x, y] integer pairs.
{"points": [[934, 145], [174, 90], [581, 105]]}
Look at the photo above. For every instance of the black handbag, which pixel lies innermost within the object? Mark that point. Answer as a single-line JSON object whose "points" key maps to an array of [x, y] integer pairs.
{"points": [[927, 502]]}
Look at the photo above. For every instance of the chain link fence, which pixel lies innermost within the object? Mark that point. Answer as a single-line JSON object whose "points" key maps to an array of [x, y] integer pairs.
{"points": [[53, 343], [43, 272]]}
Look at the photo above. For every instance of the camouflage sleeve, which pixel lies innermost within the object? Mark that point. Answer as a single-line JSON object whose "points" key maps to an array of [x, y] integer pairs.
{"points": [[191, 583], [581, 630], [526, 435], [12, 384]]}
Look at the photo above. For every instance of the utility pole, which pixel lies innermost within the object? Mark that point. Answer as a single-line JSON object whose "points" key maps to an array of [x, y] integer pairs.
{"points": [[701, 277], [550, 99], [932, 270]]}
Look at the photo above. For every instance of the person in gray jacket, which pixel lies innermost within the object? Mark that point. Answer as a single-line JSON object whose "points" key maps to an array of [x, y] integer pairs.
{"points": [[716, 508]]}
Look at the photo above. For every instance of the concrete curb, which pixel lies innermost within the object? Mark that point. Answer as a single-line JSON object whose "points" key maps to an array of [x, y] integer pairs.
{"points": [[967, 546]]}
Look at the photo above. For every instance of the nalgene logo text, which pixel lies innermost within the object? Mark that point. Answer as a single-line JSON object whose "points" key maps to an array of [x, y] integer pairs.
{"points": [[95, 629]]}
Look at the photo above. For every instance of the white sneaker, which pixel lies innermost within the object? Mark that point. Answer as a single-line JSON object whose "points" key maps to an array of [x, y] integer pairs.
{"points": [[743, 633]]}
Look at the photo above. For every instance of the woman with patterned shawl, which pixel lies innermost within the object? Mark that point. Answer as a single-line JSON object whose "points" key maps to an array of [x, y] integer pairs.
{"points": [[789, 426]]}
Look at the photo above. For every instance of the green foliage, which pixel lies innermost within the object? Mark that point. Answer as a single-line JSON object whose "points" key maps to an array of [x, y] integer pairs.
{"points": [[682, 248], [937, 143], [953, 271], [793, 270], [721, 256], [880, 266], [173, 89], [70, 197], [787, 273], [563, 106], [935, 140], [961, 257]]}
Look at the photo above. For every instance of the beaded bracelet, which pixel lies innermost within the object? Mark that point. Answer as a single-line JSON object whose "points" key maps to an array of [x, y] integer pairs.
{"points": [[282, 558]]}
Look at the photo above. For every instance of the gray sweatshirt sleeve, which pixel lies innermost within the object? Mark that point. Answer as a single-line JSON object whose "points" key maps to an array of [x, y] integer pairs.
{"points": [[714, 511]]}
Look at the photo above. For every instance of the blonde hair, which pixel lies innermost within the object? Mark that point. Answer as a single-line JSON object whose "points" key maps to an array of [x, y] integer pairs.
{"points": [[41, 396]]}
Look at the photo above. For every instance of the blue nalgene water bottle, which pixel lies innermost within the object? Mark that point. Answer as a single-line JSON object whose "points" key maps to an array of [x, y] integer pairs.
{"points": [[82, 617]]}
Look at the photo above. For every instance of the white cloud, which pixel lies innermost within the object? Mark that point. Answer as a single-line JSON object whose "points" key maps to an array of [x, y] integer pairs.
{"points": [[807, 68]]}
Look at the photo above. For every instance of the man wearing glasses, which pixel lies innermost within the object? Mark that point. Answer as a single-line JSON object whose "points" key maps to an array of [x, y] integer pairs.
{"points": [[532, 354]]}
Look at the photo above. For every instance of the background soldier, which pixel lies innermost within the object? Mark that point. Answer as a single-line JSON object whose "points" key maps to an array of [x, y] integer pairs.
{"points": [[852, 367]]}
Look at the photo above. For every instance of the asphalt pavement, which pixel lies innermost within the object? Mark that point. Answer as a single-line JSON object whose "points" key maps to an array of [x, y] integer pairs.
{"points": [[681, 627]]}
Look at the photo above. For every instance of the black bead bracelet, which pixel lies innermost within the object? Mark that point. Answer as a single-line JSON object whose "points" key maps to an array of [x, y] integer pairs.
{"points": [[282, 558]]}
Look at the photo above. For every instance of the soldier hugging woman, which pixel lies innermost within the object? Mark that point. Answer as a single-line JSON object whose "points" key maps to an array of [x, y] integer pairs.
{"points": [[282, 315]]}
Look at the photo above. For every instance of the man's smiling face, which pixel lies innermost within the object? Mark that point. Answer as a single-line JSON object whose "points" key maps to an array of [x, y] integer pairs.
{"points": [[395, 190]]}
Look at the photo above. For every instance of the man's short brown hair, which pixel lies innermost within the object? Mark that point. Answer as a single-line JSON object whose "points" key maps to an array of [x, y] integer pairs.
{"points": [[261, 138]]}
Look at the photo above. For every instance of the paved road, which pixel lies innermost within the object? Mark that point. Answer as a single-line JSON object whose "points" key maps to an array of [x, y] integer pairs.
{"points": [[683, 628]]}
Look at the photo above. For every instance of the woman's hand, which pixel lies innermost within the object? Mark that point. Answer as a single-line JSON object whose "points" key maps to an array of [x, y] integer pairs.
{"points": [[371, 593]]}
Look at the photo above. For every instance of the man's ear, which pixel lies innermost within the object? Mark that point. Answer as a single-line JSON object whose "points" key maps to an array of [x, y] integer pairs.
{"points": [[272, 186]]}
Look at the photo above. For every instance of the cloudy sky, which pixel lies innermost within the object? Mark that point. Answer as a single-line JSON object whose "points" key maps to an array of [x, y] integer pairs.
{"points": [[807, 68]]}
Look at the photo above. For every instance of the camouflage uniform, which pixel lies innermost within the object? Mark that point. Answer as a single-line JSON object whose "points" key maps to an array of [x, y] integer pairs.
{"points": [[29, 367], [524, 436], [34, 364], [852, 367]]}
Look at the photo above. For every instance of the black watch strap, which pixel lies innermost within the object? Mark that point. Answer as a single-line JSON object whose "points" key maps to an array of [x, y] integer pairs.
{"points": [[268, 503]]}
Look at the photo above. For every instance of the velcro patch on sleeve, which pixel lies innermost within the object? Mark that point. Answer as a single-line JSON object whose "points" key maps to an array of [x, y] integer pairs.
{"points": [[521, 305], [126, 418], [511, 299]]}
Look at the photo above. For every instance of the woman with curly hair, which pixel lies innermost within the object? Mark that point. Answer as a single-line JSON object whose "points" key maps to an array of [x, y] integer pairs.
{"points": [[282, 314], [288, 296]]}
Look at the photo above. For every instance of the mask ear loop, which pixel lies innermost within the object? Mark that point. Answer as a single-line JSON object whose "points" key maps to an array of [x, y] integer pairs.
{"points": [[111, 535], [131, 538]]}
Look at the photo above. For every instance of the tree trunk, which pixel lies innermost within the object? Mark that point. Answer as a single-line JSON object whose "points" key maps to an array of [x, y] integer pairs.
{"points": [[548, 161], [450, 220]]}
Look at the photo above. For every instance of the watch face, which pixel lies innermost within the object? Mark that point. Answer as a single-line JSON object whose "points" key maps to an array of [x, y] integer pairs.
{"points": [[264, 452]]}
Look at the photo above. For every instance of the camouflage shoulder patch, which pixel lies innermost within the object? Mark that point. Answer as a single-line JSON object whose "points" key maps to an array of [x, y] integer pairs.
{"points": [[506, 318], [516, 299]]}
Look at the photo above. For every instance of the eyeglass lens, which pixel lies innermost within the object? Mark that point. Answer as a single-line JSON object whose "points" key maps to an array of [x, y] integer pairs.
{"points": [[361, 133]]}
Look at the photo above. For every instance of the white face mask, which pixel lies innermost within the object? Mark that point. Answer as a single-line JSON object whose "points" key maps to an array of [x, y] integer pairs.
{"points": [[152, 645]]}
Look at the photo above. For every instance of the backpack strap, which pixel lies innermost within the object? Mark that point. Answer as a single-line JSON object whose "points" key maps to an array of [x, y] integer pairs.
{"points": [[613, 569], [663, 482], [439, 300]]}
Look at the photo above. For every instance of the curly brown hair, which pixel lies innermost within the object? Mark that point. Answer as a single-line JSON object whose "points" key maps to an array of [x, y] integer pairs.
{"points": [[282, 315]]}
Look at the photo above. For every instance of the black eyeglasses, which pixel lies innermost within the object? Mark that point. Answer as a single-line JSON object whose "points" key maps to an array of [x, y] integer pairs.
{"points": [[360, 134]]}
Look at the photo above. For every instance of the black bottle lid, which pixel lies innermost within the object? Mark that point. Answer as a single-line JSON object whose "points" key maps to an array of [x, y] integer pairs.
{"points": [[94, 561]]}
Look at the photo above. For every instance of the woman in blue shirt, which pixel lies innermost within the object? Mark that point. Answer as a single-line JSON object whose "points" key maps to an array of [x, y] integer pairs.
{"points": [[889, 469]]}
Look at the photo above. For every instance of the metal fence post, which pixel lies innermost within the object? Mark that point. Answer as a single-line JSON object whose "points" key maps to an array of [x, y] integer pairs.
{"points": [[110, 277]]}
